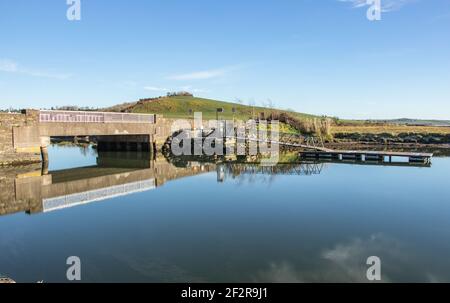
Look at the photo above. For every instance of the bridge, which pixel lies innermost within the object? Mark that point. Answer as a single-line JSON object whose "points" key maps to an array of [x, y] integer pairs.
{"points": [[24, 137]]}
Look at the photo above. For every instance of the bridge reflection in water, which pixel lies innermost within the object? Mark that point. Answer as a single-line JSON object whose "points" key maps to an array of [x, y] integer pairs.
{"points": [[116, 174], [32, 190], [97, 195]]}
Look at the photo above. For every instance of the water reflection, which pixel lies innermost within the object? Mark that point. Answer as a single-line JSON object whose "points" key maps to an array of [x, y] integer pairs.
{"points": [[346, 262], [34, 189], [221, 220]]}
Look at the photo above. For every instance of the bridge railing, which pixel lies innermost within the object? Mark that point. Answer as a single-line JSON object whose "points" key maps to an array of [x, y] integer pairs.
{"points": [[93, 117]]}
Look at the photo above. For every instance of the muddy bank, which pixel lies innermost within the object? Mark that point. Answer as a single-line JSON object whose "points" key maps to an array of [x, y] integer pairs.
{"points": [[387, 138]]}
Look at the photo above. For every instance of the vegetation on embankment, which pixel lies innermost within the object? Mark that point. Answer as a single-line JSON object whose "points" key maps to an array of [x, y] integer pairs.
{"points": [[390, 134]]}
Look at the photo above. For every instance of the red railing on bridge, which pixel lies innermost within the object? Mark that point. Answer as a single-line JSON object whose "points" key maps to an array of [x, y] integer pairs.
{"points": [[93, 117]]}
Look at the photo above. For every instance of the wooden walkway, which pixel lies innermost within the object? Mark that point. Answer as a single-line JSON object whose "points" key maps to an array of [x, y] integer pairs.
{"points": [[364, 155], [298, 145], [313, 151]]}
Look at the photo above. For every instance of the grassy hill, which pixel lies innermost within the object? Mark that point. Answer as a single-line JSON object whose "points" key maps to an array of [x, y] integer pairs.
{"points": [[185, 106]]}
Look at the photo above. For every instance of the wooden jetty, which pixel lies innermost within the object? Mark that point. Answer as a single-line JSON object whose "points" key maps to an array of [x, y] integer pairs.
{"points": [[367, 156], [311, 150]]}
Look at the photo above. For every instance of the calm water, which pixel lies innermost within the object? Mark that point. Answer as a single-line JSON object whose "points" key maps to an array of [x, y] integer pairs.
{"points": [[209, 223]]}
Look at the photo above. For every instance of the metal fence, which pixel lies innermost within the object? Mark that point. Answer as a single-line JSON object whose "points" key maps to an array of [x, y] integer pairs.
{"points": [[93, 117]]}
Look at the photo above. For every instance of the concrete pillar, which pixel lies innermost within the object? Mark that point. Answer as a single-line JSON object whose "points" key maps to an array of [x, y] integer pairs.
{"points": [[44, 154], [45, 141], [44, 171]]}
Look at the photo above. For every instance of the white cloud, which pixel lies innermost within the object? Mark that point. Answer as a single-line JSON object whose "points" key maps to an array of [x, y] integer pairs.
{"points": [[191, 89], [10, 66], [129, 83], [188, 88], [155, 89], [386, 5], [201, 75], [45, 74]]}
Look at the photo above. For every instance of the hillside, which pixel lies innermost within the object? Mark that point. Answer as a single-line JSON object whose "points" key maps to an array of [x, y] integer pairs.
{"points": [[185, 106]]}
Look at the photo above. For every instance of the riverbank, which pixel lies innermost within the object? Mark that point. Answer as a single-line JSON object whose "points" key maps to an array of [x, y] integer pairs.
{"points": [[368, 135]]}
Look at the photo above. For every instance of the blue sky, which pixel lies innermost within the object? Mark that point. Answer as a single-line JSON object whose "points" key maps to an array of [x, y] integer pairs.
{"points": [[315, 56]]}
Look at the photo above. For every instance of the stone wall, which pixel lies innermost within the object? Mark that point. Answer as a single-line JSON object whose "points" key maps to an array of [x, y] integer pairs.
{"points": [[11, 154]]}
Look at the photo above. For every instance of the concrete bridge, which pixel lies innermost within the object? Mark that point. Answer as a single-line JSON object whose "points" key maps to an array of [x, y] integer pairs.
{"points": [[24, 137]]}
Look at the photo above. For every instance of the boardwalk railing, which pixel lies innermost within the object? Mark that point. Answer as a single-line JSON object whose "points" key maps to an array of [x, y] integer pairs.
{"points": [[93, 117]]}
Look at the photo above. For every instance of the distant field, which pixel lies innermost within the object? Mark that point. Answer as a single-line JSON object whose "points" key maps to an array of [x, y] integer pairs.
{"points": [[391, 129]]}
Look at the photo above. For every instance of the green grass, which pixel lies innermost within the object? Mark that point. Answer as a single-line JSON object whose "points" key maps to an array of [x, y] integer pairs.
{"points": [[178, 107]]}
